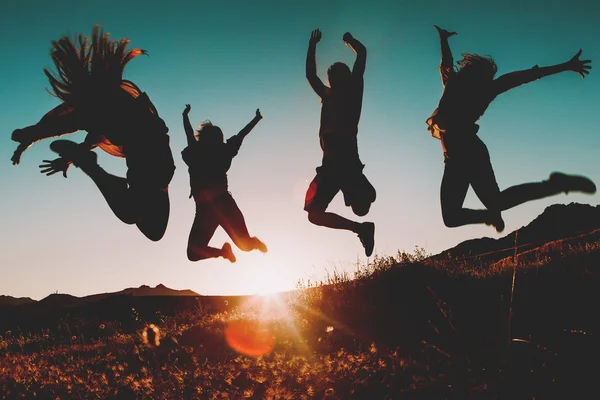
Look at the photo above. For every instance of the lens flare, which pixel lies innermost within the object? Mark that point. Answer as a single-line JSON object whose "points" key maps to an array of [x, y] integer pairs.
{"points": [[151, 336], [249, 338]]}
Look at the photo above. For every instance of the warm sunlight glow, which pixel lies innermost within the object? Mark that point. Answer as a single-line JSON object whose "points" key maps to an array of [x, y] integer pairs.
{"points": [[268, 285], [265, 275], [250, 338]]}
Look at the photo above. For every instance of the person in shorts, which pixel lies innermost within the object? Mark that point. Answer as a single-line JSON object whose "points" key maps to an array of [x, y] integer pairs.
{"points": [[341, 168]]}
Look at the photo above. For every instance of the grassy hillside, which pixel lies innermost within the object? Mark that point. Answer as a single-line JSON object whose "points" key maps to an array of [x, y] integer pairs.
{"points": [[401, 327]]}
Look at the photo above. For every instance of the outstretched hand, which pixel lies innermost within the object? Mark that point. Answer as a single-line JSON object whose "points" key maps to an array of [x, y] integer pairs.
{"points": [[187, 109], [347, 37], [444, 33], [582, 67], [16, 157], [315, 37], [53, 166], [258, 114]]}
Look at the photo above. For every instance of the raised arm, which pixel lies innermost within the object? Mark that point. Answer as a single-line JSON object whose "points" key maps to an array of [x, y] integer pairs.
{"points": [[311, 64], [518, 78], [246, 130], [235, 142], [447, 63], [361, 54], [187, 126]]}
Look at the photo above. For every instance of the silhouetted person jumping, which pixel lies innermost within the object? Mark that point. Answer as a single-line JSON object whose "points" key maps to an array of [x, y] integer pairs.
{"points": [[118, 117], [341, 167], [468, 91], [209, 159]]}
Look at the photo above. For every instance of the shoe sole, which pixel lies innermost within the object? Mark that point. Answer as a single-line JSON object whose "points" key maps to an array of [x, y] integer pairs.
{"points": [[71, 151]]}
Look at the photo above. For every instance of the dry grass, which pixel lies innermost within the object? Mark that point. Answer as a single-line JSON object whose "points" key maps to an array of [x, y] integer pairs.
{"points": [[398, 327]]}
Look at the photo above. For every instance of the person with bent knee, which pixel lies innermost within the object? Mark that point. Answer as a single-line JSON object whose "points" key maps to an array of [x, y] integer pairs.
{"points": [[341, 168], [209, 158], [468, 91], [119, 118]]}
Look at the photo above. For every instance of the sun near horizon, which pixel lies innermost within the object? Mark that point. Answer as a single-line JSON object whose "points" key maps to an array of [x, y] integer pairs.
{"points": [[59, 234]]}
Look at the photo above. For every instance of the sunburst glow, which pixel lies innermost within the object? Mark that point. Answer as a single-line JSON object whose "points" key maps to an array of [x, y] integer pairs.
{"points": [[265, 275]]}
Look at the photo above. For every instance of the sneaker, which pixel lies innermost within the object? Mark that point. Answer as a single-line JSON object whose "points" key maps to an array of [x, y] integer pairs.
{"points": [[573, 183], [495, 219], [228, 252], [258, 245], [366, 234], [73, 152]]}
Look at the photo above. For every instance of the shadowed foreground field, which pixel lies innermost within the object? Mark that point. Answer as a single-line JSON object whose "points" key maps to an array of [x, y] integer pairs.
{"points": [[403, 327]]}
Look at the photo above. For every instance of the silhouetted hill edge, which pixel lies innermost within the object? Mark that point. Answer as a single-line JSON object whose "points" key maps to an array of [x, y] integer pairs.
{"points": [[558, 221], [62, 300], [9, 301]]}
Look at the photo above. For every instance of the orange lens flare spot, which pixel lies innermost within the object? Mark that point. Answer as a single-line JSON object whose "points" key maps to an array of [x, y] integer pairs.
{"points": [[151, 336], [249, 338]]}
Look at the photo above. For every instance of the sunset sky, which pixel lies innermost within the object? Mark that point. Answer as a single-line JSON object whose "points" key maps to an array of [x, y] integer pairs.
{"points": [[227, 58]]}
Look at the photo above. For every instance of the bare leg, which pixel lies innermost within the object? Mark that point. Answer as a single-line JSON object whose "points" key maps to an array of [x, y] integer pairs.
{"points": [[365, 230], [485, 186], [149, 209], [519, 194], [232, 220], [203, 229], [484, 183], [61, 120], [115, 189], [153, 209], [558, 183], [321, 191], [64, 119], [333, 221], [323, 188]]}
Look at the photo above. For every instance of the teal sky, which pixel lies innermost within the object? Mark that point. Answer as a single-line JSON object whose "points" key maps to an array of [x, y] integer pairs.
{"points": [[227, 58]]}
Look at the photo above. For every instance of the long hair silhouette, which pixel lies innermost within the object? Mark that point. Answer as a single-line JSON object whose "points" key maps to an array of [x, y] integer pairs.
{"points": [[118, 117], [83, 68]]}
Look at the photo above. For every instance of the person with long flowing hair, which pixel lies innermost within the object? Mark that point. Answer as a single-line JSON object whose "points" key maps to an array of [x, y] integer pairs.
{"points": [[468, 91], [341, 168], [209, 158], [118, 117]]}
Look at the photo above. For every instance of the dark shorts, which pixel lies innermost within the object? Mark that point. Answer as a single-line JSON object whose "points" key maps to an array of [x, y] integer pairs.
{"points": [[358, 191]]}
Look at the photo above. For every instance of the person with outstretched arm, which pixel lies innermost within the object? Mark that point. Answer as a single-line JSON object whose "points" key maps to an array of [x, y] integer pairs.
{"points": [[341, 168], [119, 118], [209, 158], [468, 91]]}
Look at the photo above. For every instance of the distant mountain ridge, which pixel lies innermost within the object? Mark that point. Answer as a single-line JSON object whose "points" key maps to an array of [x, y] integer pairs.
{"points": [[9, 301], [558, 221], [66, 300], [159, 290]]}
